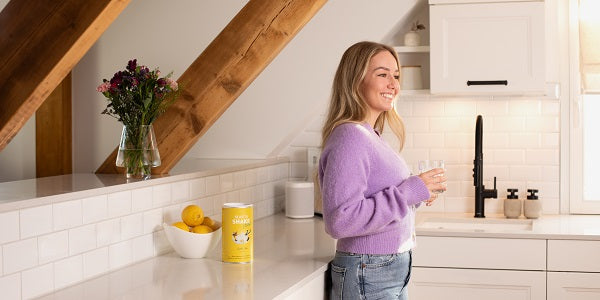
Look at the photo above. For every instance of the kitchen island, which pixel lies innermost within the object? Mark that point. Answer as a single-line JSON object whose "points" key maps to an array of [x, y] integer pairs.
{"points": [[290, 260]]}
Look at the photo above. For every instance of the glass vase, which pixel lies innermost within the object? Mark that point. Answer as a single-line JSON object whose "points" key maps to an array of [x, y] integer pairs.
{"points": [[138, 151]]}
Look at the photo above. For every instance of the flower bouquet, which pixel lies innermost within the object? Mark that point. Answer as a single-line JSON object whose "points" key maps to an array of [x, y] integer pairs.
{"points": [[136, 97]]}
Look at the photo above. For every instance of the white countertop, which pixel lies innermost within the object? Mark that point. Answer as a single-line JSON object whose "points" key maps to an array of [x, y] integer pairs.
{"points": [[287, 254], [570, 227]]}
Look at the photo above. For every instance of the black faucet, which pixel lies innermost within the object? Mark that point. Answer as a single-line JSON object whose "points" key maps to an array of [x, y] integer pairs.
{"points": [[480, 192]]}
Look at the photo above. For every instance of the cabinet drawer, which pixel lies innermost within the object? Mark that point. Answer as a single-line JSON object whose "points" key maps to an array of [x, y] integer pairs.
{"points": [[570, 255], [485, 253], [467, 284]]}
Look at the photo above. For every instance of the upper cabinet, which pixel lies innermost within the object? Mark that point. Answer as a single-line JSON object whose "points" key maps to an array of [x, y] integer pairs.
{"points": [[487, 48]]}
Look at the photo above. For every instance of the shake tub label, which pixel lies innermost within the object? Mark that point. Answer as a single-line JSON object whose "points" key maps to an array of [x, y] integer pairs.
{"points": [[238, 235]]}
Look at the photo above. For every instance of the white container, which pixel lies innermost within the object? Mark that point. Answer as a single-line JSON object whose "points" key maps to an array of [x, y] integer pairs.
{"points": [[299, 199], [411, 78], [412, 38]]}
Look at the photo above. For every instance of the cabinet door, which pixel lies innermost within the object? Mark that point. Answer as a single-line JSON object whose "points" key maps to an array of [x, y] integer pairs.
{"points": [[477, 48], [476, 284], [573, 286]]}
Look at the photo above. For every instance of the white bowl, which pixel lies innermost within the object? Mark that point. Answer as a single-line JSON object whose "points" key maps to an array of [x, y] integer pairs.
{"points": [[192, 245]]}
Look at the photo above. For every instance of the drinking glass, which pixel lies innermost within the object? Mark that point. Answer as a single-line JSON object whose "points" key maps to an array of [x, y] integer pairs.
{"points": [[426, 165], [439, 164]]}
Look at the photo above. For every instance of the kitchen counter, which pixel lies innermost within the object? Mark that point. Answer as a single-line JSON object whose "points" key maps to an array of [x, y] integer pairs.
{"points": [[567, 227], [288, 255]]}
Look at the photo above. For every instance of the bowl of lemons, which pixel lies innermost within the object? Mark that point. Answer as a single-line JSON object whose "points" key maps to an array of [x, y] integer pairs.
{"points": [[195, 235]]}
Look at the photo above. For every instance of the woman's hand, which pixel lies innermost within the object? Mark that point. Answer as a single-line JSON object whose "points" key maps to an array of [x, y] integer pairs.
{"points": [[434, 180]]}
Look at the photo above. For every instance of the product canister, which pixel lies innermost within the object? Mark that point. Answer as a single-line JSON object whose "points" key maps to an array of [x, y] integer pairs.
{"points": [[238, 233]]}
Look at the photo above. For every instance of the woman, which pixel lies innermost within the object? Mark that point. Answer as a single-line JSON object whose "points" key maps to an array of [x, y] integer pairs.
{"points": [[368, 193]]}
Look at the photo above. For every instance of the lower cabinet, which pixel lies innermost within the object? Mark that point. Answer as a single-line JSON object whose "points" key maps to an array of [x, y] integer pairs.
{"points": [[465, 284], [573, 286], [505, 268]]}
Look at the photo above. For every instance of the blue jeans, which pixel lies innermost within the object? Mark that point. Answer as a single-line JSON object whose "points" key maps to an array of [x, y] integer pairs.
{"points": [[368, 276]]}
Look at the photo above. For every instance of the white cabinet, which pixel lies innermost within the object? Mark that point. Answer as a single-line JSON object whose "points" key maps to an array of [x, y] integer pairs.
{"points": [[487, 48], [478, 268], [573, 286], [578, 264], [476, 284]]}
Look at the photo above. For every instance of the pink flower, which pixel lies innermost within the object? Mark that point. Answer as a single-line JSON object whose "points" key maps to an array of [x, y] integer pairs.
{"points": [[103, 87], [172, 84]]}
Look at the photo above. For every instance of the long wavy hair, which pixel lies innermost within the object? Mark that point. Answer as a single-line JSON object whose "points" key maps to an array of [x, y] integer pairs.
{"points": [[347, 104]]}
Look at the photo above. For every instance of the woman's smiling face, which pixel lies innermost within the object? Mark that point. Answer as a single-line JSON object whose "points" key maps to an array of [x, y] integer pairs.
{"points": [[380, 85]]}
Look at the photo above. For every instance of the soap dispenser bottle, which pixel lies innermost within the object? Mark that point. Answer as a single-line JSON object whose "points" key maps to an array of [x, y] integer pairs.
{"points": [[512, 204], [532, 206]]}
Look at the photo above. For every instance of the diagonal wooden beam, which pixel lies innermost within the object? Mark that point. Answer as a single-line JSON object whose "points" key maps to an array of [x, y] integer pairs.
{"points": [[223, 71], [40, 42]]}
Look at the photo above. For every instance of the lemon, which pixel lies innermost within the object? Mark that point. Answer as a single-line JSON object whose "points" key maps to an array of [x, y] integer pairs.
{"points": [[192, 215], [181, 226], [210, 223], [202, 229]]}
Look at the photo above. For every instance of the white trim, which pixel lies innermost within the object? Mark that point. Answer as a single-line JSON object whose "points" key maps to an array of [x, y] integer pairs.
{"points": [[576, 202]]}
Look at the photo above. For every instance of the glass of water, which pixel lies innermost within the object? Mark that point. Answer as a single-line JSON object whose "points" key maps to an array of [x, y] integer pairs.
{"points": [[426, 165]]}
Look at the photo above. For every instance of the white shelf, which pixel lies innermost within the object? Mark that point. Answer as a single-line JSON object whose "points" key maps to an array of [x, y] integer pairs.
{"points": [[412, 49]]}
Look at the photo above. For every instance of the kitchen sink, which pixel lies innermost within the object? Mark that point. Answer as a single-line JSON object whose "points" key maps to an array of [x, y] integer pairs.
{"points": [[477, 225]]}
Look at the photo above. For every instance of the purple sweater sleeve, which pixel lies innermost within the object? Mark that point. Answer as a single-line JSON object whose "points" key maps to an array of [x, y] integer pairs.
{"points": [[349, 209]]}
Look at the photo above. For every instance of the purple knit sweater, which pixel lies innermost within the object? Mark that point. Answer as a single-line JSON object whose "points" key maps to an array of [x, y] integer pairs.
{"points": [[367, 190]]}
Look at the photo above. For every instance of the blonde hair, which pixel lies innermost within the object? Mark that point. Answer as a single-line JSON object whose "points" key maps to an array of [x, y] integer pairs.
{"points": [[347, 104]]}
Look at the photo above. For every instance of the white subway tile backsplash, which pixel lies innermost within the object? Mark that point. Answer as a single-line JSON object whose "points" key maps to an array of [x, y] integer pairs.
{"points": [[132, 226], [20, 255], [142, 247], [53, 246], [551, 140], [95, 209], [262, 175], [37, 281], [82, 239], [141, 199], [180, 191], [213, 185], [172, 213], [232, 197], [95, 262], [239, 180], [525, 140], [428, 108], [460, 108], [197, 188], [9, 222], [11, 286], [108, 232], [120, 254], [67, 214], [208, 206], [119, 204], [528, 173], [161, 195], [152, 220], [428, 140], [507, 156], [503, 124], [251, 179], [491, 108], [35, 221], [226, 182], [68, 271], [524, 107], [543, 124], [542, 157]]}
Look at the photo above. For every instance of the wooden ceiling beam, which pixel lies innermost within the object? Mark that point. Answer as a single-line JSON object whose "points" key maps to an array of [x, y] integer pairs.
{"points": [[223, 71], [40, 42]]}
